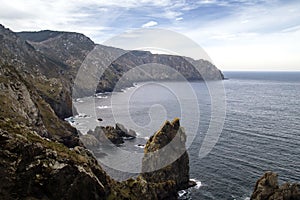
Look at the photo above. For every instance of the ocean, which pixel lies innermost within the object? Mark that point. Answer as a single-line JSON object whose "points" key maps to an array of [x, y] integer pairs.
{"points": [[261, 130]]}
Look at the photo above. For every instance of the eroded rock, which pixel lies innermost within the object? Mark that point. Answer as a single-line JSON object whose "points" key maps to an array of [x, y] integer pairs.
{"points": [[166, 180], [267, 188], [108, 134]]}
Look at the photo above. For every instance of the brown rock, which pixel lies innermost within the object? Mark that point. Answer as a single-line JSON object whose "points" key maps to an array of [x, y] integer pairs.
{"points": [[267, 188], [165, 157]]}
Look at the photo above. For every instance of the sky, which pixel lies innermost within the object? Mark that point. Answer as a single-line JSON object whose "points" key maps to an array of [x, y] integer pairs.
{"points": [[236, 34]]}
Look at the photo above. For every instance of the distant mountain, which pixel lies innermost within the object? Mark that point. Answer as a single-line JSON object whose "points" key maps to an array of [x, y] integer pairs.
{"points": [[65, 47], [71, 49]]}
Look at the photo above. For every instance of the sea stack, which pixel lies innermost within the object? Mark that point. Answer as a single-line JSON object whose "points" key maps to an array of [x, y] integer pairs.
{"points": [[165, 153], [165, 157]]}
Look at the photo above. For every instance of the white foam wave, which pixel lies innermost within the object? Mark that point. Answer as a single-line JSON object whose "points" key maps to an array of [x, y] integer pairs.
{"points": [[182, 193], [198, 183], [103, 107], [101, 97], [78, 100], [140, 146]]}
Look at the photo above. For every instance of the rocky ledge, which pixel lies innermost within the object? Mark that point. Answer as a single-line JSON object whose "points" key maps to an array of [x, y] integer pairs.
{"points": [[267, 188]]}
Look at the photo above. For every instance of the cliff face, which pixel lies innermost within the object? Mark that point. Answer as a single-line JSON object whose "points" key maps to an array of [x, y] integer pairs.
{"points": [[70, 49], [41, 156], [50, 79]]}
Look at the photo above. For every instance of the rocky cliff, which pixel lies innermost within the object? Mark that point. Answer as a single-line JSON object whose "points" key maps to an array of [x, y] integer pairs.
{"points": [[50, 78], [70, 49], [41, 156]]}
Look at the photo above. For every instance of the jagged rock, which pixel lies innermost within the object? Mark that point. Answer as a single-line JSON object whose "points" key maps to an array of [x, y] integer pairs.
{"points": [[132, 133], [165, 182], [106, 134], [121, 128], [267, 188], [34, 168], [123, 132], [90, 141], [166, 157], [115, 135]]}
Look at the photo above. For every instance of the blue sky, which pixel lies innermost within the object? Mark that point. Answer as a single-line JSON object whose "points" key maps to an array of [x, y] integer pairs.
{"points": [[236, 34]]}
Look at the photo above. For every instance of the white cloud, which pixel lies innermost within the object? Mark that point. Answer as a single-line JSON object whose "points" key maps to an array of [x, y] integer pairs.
{"points": [[254, 37], [149, 24], [250, 28], [167, 14]]}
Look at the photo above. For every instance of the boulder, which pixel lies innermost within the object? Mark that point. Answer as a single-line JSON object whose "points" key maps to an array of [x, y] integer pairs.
{"points": [[267, 188], [115, 134], [123, 132], [132, 133], [121, 128]]}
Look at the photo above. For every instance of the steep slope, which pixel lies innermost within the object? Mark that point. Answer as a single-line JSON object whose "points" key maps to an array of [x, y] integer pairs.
{"points": [[44, 73], [66, 47], [40, 154], [72, 48]]}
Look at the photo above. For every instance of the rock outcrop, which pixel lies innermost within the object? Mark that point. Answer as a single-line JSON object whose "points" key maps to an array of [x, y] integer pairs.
{"points": [[166, 158], [161, 177], [105, 135], [267, 188], [35, 168]]}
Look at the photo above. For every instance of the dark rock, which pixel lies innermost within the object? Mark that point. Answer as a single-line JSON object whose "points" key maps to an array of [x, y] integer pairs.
{"points": [[165, 157], [267, 188], [123, 132], [121, 128], [192, 183], [90, 141], [115, 135], [100, 119], [132, 133], [47, 169]]}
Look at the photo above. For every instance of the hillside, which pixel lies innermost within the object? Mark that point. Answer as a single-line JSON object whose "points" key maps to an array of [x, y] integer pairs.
{"points": [[41, 156], [72, 49]]}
